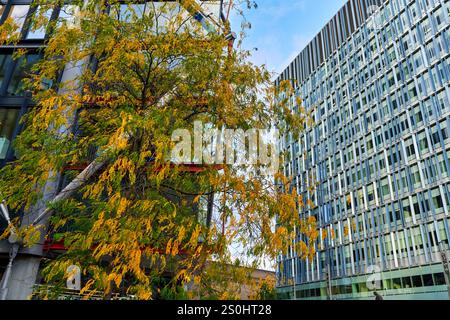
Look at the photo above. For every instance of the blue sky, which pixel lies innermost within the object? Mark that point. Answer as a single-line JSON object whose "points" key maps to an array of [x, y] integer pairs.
{"points": [[281, 28]]}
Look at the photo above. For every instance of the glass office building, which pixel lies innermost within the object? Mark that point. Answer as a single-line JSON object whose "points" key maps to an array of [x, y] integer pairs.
{"points": [[378, 77], [14, 99]]}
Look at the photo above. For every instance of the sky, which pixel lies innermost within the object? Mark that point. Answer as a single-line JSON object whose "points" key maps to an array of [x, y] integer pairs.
{"points": [[282, 28]]}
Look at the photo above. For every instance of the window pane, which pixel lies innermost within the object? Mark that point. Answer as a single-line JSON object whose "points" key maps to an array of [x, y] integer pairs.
{"points": [[406, 282], [68, 16], [417, 281], [39, 33], [439, 279], [2, 9], [127, 12], [387, 284], [19, 13], [4, 62], [427, 280], [397, 283], [8, 119], [16, 86]]}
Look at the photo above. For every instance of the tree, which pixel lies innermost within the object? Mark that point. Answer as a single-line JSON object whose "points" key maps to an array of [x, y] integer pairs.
{"points": [[140, 75], [266, 290]]}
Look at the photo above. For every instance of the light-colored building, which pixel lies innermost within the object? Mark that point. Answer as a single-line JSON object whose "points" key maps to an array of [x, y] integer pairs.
{"points": [[232, 282]]}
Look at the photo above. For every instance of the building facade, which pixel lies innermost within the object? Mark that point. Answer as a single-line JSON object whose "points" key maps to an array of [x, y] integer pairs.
{"points": [[378, 77], [15, 100]]}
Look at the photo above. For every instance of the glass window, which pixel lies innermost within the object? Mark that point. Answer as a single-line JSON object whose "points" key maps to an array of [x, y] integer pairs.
{"points": [[428, 107], [39, 33], [127, 12], [68, 16], [439, 279], [423, 142], [416, 281], [410, 150], [371, 168], [412, 91], [439, 17], [404, 181], [426, 27], [4, 62], [442, 165], [8, 120], [434, 134], [442, 100], [416, 208], [427, 280], [415, 176], [2, 9], [362, 287], [417, 117], [437, 200], [397, 283], [384, 187], [370, 194], [369, 144], [387, 284], [406, 210], [19, 13], [16, 85], [406, 282], [442, 232], [418, 59], [443, 125], [441, 70]]}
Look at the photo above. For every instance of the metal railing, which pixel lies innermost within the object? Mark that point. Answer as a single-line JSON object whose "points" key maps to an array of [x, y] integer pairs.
{"points": [[54, 293]]}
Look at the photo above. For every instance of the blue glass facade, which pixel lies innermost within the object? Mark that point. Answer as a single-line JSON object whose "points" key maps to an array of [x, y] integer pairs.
{"points": [[14, 99], [379, 152]]}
